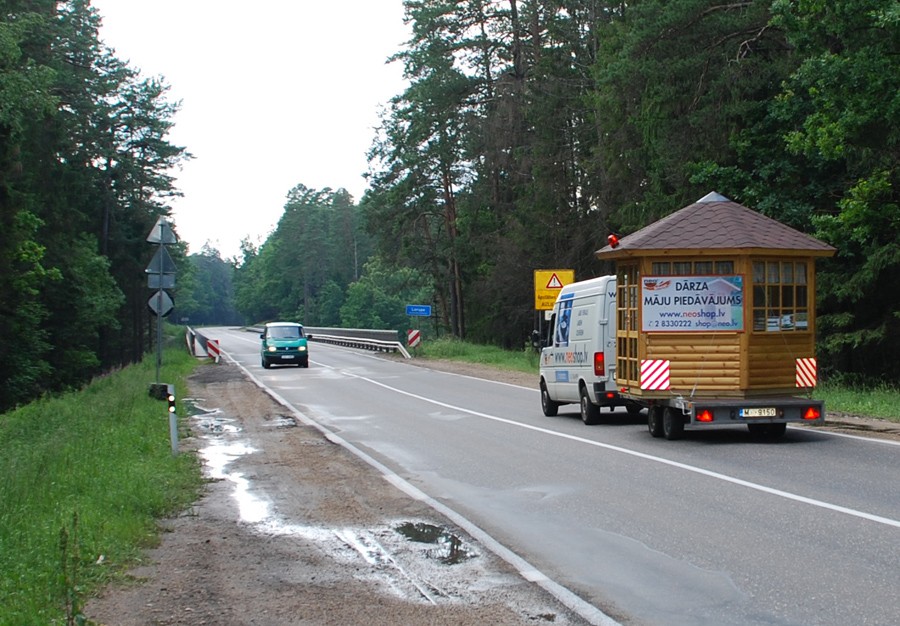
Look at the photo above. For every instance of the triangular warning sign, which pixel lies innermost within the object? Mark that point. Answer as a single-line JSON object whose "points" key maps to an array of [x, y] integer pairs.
{"points": [[554, 282]]}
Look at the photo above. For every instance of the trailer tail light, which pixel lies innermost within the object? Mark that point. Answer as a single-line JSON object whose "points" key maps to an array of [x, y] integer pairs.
{"points": [[812, 413], [599, 364], [704, 415]]}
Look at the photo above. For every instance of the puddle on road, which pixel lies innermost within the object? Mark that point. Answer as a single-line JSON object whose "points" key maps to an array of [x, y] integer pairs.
{"points": [[449, 550], [211, 420], [409, 558], [221, 452], [283, 421]]}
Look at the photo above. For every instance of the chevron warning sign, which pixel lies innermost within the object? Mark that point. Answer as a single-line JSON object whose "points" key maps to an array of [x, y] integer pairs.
{"points": [[807, 372], [655, 374]]}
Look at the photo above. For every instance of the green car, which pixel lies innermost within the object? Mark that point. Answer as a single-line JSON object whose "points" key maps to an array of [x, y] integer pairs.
{"points": [[284, 343]]}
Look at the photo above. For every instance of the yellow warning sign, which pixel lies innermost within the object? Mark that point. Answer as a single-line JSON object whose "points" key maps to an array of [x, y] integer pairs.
{"points": [[547, 284]]}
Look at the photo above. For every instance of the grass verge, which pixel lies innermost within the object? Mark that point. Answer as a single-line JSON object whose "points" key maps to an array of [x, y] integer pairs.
{"points": [[526, 360], [880, 401], [87, 474]]}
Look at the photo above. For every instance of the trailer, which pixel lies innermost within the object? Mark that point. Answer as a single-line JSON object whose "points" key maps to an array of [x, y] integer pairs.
{"points": [[715, 320]]}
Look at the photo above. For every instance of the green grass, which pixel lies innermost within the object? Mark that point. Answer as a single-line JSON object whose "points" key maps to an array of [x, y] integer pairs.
{"points": [[879, 401], [525, 360], [85, 476]]}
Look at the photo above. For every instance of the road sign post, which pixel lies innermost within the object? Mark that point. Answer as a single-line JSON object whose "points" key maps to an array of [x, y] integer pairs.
{"points": [[160, 276], [547, 285]]}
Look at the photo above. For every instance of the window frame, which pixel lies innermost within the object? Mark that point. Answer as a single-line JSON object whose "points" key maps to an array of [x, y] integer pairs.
{"points": [[779, 295]]}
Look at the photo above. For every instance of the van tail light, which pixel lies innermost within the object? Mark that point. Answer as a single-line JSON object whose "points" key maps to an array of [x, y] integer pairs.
{"points": [[599, 364], [812, 413]]}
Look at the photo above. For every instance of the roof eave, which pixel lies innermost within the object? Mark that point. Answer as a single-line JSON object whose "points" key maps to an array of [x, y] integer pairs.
{"points": [[608, 253]]}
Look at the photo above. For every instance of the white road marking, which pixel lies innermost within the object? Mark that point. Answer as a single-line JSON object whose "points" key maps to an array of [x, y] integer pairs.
{"points": [[649, 457]]}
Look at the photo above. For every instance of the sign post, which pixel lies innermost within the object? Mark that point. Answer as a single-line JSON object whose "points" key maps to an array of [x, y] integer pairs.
{"points": [[414, 336], [161, 276], [547, 285]]}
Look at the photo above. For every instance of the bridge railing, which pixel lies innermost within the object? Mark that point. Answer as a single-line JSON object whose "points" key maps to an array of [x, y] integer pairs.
{"points": [[361, 338]]}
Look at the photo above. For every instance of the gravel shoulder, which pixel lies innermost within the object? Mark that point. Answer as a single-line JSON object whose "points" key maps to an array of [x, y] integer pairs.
{"points": [[294, 529]]}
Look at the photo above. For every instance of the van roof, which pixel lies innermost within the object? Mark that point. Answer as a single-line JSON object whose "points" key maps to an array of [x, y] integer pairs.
{"points": [[589, 287], [283, 324]]}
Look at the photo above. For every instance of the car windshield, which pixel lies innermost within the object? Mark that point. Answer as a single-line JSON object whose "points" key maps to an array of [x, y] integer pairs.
{"points": [[285, 332]]}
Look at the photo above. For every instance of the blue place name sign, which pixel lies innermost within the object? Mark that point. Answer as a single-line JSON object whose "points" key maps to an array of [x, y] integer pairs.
{"points": [[418, 310]]}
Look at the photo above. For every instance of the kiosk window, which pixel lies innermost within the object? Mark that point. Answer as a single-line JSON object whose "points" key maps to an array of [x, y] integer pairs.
{"points": [[780, 296], [693, 268]]}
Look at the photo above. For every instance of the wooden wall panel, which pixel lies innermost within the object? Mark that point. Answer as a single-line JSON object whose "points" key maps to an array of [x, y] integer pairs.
{"points": [[703, 362], [772, 358]]}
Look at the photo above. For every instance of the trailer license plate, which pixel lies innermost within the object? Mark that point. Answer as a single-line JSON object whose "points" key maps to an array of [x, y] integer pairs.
{"points": [[759, 412]]}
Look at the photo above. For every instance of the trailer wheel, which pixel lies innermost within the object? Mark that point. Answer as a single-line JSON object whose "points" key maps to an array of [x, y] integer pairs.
{"points": [[767, 431], [550, 407], [672, 424], [655, 421], [590, 412]]}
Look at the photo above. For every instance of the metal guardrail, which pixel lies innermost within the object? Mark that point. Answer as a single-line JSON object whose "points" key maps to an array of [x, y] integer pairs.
{"points": [[376, 345], [362, 338], [359, 333], [200, 345]]}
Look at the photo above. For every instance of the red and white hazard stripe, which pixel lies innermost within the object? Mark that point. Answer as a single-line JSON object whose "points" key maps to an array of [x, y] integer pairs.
{"points": [[655, 374], [212, 349], [807, 372], [413, 338]]}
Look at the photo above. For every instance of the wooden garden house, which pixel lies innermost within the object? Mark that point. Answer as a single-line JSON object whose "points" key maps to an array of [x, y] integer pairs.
{"points": [[722, 295]]}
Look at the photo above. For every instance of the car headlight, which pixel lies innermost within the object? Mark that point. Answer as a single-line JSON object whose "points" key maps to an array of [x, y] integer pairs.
{"points": [[302, 348]]}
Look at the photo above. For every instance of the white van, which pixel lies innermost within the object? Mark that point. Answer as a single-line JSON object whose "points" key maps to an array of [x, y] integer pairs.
{"points": [[578, 360]]}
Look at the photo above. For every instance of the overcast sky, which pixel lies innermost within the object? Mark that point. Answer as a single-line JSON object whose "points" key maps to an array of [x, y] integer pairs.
{"points": [[274, 93]]}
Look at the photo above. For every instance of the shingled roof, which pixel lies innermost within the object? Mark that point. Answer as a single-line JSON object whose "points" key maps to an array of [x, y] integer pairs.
{"points": [[715, 223]]}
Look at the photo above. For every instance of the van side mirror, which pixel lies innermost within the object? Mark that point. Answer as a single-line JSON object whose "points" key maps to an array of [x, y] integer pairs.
{"points": [[308, 336], [262, 335], [536, 342]]}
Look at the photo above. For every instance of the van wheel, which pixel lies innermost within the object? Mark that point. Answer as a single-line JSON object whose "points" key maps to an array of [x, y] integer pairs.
{"points": [[590, 412], [672, 424], [655, 421], [550, 407], [265, 364]]}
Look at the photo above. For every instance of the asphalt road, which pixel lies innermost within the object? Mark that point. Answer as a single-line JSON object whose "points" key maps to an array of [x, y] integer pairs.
{"points": [[716, 529]]}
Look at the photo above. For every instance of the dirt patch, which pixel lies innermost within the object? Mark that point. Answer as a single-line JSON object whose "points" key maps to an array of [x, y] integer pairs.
{"points": [[293, 529]]}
